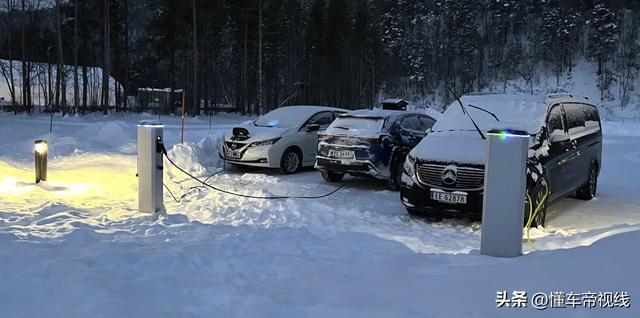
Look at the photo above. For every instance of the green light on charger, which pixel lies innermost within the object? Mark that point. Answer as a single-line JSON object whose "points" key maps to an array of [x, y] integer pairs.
{"points": [[506, 135]]}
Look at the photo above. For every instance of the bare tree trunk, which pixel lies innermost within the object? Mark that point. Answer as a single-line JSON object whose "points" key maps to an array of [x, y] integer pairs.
{"points": [[106, 57], [126, 55], [196, 98], [60, 100], [49, 85], [85, 87], [261, 111], [23, 58], [76, 86], [9, 75], [244, 93]]}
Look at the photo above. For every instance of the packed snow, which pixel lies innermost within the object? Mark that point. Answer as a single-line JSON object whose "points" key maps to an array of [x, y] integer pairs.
{"points": [[76, 246]]}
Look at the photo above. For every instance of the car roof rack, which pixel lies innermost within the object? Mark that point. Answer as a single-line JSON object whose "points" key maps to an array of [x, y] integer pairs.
{"points": [[559, 95]]}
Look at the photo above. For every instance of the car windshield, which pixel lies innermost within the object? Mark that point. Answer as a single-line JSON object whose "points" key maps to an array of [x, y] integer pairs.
{"points": [[285, 117], [357, 124], [515, 111]]}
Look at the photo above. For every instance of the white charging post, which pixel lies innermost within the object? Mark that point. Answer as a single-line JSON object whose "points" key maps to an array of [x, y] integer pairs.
{"points": [[504, 193], [150, 166]]}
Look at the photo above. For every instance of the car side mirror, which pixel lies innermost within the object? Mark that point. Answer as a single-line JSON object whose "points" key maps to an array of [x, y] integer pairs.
{"points": [[313, 128], [558, 138]]}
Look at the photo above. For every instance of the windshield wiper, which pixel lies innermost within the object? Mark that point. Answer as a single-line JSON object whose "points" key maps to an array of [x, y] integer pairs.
{"points": [[484, 110], [340, 127], [464, 111]]}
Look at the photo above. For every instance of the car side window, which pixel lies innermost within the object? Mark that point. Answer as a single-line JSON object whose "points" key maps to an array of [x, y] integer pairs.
{"points": [[322, 119], [555, 123], [592, 118], [412, 123], [575, 118], [426, 122]]}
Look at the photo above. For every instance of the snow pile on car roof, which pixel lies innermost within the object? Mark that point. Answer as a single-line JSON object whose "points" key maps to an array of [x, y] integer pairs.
{"points": [[515, 111]]}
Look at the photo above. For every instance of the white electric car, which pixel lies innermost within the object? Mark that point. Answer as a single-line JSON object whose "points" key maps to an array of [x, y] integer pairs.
{"points": [[285, 138]]}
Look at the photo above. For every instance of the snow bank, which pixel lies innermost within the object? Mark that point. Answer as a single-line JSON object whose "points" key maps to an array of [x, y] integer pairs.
{"points": [[195, 158]]}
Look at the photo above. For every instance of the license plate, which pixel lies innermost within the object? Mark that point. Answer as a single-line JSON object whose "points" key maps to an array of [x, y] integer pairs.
{"points": [[233, 154], [448, 197], [341, 154]]}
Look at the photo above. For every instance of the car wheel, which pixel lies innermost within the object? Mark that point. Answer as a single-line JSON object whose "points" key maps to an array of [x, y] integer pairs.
{"points": [[538, 194], [429, 217], [588, 190], [290, 162], [331, 176], [396, 175], [414, 212]]}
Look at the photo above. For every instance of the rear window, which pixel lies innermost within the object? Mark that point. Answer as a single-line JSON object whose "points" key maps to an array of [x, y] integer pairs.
{"points": [[356, 123]]}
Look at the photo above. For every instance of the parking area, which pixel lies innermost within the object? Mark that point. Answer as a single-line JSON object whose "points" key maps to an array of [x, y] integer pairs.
{"points": [[218, 252]]}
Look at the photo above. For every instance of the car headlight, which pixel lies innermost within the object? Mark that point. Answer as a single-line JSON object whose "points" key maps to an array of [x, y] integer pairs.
{"points": [[409, 166], [265, 142]]}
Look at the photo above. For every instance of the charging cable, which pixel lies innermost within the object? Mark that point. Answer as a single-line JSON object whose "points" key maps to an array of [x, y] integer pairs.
{"points": [[533, 213], [205, 184]]}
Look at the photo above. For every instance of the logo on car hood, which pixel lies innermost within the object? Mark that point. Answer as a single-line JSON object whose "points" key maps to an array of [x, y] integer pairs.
{"points": [[450, 175]]}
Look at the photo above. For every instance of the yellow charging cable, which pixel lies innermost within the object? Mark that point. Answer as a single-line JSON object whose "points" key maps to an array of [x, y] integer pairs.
{"points": [[532, 214]]}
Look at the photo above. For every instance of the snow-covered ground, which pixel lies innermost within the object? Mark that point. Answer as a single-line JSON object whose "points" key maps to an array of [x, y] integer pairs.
{"points": [[77, 247]]}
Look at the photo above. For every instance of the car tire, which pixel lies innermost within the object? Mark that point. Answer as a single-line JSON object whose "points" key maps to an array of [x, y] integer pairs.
{"points": [[425, 216], [396, 174], [537, 195], [291, 161], [331, 176], [414, 212], [590, 187]]}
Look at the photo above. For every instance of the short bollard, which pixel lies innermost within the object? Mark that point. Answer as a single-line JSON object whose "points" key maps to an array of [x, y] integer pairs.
{"points": [[41, 150]]}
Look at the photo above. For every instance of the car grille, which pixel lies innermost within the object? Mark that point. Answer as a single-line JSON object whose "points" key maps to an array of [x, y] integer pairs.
{"points": [[468, 178]]}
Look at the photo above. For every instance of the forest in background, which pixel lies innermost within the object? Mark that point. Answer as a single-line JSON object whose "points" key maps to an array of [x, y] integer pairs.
{"points": [[261, 54]]}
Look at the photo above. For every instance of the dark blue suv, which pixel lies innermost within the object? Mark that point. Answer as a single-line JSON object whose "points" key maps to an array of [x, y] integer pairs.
{"points": [[370, 143]]}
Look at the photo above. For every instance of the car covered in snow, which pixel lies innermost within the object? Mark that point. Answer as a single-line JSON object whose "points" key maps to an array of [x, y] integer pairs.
{"points": [[285, 138], [444, 174], [370, 143]]}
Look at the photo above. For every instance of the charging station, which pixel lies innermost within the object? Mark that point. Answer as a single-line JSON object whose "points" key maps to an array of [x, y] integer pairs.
{"points": [[504, 193], [150, 166]]}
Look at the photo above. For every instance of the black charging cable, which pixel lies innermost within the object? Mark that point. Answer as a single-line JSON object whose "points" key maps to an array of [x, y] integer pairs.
{"points": [[191, 189], [205, 184]]}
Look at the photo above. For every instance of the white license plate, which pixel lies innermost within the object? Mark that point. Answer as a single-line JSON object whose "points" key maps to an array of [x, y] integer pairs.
{"points": [[341, 154], [233, 154], [448, 197]]}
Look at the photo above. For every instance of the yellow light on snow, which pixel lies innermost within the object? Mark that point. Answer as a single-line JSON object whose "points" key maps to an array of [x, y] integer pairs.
{"points": [[103, 184]]}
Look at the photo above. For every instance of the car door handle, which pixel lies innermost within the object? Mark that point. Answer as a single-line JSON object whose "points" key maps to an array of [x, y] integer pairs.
{"points": [[569, 158]]}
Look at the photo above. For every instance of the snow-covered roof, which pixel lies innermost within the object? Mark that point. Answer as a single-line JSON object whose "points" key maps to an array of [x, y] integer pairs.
{"points": [[376, 112], [394, 101], [566, 98], [289, 116], [515, 111], [159, 90], [312, 108]]}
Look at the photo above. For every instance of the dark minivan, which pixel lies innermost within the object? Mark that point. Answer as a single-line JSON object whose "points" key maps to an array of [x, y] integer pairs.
{"points": [[370, 143], [565, 151]]}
